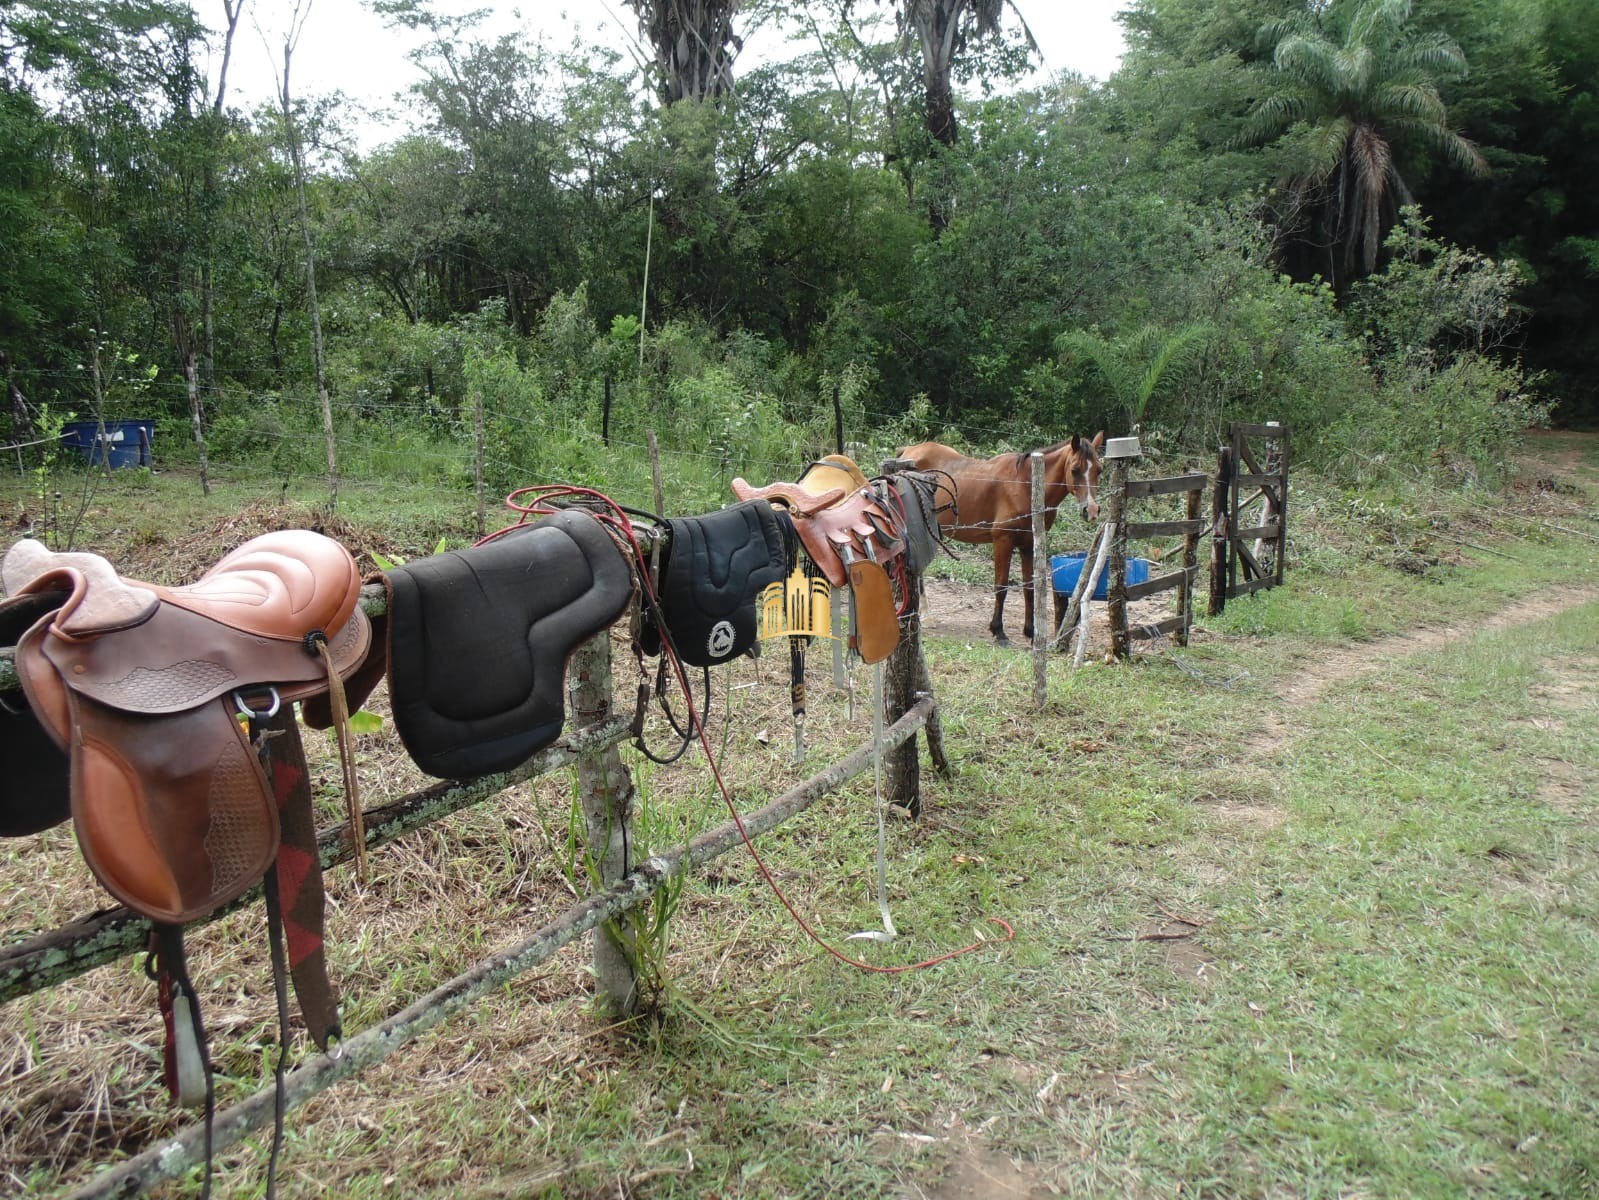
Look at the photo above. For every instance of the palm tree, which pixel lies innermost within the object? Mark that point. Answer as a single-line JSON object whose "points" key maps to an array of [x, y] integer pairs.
{"points": [[1351, 101], [694, 46], [1138, 366]]}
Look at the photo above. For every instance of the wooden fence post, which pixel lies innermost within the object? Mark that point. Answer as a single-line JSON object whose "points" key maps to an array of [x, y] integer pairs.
{"points": [[1185, 589], [1035, 585], [907, 678], [1119, 452], [1219, 531], [605, 789], [902, 768]]}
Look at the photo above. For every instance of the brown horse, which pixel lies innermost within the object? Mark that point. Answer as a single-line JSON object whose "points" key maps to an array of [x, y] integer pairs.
{"points": [[993, 503]]}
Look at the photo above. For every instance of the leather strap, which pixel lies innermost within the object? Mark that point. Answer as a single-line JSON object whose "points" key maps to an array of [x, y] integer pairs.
{"points": [[298, 872]]}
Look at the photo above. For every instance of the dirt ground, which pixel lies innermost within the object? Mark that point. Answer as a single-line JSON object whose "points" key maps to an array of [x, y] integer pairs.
{"points": [[962, 610]]}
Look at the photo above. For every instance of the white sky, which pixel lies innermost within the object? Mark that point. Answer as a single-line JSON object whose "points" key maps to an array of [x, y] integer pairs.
{"points": [[346, 48]]}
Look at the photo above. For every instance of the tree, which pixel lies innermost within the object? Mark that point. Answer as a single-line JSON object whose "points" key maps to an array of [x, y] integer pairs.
{"points": [[694, 46], [944, 29], [1138, 366], [948, 35], [292, 135], [1350, 106]]}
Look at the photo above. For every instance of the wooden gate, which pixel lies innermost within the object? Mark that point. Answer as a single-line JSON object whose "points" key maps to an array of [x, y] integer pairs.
{"points": [[1247, 547]]}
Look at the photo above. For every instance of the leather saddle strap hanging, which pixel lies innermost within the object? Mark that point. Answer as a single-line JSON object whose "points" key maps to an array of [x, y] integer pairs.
{"points": [[298, 876]]}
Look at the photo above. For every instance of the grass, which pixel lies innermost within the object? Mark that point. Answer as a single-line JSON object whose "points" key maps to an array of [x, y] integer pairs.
{"points": [[1300, 911]]}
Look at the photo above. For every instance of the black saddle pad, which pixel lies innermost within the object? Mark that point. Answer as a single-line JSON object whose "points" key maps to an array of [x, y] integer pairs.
{"points": [[36, 792], [479, 639], [714, 571]]}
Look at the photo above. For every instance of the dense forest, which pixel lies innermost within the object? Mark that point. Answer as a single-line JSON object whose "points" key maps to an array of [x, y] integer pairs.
{"points": [[1371, 218]]}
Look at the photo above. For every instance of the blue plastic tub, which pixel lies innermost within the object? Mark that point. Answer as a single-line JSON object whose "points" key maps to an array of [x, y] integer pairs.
{"points": [[126, 444], [1065, 568]]}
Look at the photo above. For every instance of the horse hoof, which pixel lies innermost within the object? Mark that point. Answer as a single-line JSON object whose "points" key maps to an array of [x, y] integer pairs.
{"points": [[1001, 640]]}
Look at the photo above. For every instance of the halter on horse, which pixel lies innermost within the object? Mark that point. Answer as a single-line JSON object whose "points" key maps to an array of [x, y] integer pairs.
{"points": [[993, 503]]}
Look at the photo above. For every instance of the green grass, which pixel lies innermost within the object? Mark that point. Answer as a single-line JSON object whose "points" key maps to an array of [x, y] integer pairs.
{"points": [[1353, 951]]}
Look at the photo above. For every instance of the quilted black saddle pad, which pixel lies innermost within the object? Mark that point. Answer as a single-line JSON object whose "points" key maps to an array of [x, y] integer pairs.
{"points": [[479, 640], [713, 573]]}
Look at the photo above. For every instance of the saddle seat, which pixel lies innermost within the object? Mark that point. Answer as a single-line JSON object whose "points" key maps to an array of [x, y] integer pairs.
{"points": [[141, 684]]}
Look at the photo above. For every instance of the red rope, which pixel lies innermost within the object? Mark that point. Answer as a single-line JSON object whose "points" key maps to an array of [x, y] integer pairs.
{"points": [[542, 503]]}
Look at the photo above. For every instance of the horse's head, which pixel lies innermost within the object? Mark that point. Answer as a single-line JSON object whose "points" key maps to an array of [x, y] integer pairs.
{"points": [[1077, 470]]}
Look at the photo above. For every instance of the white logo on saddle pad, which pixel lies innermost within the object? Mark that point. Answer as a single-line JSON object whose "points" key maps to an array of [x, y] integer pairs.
{"points": [[720, 643]]}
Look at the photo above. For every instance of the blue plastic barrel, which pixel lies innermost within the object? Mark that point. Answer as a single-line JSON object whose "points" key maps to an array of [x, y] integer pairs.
{"points": [[124, 443], [1065, 568]]}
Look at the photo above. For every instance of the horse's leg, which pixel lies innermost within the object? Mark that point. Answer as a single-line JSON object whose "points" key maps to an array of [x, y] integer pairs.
{"points": [[1025, 546], [1002, 553]]}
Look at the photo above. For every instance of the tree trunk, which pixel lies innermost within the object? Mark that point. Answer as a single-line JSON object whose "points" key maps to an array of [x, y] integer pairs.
{"points": [[184, 337], [310, 283], [21, 419]]}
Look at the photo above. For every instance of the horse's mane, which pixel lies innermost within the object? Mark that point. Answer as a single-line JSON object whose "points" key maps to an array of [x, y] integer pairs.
{"points": [[1084, 443]]}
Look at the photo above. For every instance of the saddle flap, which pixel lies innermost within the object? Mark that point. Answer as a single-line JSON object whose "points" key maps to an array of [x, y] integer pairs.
{"points": [[876, 616], [179, 659], [173, 812], [479, 640], [822, 551]]}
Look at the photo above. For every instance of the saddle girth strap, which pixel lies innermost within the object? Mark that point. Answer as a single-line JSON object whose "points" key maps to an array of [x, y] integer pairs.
{"points": [[297, 873]]}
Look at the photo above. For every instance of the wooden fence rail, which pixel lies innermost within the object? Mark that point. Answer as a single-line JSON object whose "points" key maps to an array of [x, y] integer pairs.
{"points": [[1249, 558], [605, 792], [1122, 632], [180, 1153]]}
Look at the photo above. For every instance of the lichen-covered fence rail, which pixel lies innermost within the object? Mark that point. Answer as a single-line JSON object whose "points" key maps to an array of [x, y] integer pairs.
{"points": [[176, 1155], [103, 937]]}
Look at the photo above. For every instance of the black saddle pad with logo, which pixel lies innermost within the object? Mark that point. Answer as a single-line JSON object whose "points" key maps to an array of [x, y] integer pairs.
{"points": [[479, 640], [714, 571], [36, 792]]}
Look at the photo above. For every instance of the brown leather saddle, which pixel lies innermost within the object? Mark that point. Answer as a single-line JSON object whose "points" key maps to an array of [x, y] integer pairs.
{"points": [[137, 682], [850, 536], [187, 783]]}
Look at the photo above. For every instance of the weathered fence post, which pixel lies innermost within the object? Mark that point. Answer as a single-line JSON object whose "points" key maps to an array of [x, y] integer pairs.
{"points": [[605, 788], [1066, 621], [1185, 589], [907, 677], [1219, 531], [1269, 514], [1119, 453], [1083, 604], [1035, 585]]}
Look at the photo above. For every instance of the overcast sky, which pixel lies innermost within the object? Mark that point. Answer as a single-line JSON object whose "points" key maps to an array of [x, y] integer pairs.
{"points": [[345, 48]]}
